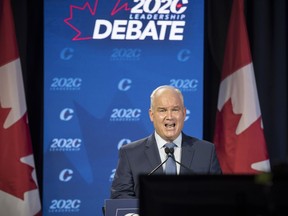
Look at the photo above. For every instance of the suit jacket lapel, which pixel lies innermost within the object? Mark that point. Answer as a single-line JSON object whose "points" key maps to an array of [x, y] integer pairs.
{"points": [[187, 154], [152, 153]]}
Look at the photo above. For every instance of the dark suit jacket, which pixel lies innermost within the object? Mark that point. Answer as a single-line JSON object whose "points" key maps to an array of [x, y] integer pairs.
{"points": [[142, 156]]}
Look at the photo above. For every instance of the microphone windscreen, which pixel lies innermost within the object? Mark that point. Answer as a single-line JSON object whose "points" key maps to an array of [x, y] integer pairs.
{"points": [[167, 150]]}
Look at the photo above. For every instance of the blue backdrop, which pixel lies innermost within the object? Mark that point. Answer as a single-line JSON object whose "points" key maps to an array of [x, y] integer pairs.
{"points": [[102, 60]]}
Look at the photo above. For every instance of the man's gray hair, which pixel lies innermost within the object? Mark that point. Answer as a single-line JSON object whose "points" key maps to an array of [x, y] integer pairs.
{"points": [[165, 87]]}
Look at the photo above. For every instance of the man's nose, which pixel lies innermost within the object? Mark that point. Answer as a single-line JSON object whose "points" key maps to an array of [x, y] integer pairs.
{"points": [[169, 114]]}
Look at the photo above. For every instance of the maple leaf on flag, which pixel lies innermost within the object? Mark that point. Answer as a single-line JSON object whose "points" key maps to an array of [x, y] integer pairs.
{"points": [[246, 141], [16, 176]]}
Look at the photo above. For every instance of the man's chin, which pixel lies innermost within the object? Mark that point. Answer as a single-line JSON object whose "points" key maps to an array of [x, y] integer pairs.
{"points": [[170, 136]]}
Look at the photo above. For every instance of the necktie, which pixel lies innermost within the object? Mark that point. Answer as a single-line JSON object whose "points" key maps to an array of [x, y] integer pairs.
{"points": [[170, 168]]}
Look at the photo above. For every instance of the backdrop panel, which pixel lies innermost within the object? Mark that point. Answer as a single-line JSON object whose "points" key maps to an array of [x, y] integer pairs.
{"points": [[102, 59]]}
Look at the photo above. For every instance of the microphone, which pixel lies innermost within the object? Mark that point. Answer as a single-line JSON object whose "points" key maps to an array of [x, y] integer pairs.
{"points": [[169, 152]]}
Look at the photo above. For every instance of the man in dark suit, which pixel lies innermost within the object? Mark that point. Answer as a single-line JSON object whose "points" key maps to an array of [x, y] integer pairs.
{"points": [[167, 112]]}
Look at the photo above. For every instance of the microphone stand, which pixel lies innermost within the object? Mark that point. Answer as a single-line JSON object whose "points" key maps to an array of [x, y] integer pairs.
{"points": [[156, 168], [170, 152], [183, 166]]}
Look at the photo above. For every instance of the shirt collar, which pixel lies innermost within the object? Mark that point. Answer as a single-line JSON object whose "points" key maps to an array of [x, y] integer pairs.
{"points": [[161, 142]]}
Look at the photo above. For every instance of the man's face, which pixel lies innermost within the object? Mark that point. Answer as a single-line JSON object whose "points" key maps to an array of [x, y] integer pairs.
{"points": [[167, 114]]}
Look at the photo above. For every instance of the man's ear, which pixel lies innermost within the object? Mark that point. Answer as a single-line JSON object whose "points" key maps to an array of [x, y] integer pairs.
{"points": [[151, 115]]}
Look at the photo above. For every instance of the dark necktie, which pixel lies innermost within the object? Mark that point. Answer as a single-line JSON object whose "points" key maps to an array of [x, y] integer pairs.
{"points": [[170, 168]]}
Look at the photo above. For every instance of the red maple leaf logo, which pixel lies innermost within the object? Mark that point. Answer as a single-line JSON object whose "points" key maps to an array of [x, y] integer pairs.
{"points": [[117, 8], [86, 8], [16, 176], [80, 13]]}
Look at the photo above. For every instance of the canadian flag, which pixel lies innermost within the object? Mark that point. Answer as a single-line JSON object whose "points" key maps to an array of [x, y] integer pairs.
{"points": [[239, 136], [19, 194]]}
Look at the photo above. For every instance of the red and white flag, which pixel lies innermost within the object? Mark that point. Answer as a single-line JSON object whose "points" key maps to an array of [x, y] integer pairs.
{"points": [[239, 136], [19, 194]]}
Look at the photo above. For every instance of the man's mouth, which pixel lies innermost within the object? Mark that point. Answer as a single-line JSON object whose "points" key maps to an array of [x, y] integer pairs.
{"points": [[170, 125]]}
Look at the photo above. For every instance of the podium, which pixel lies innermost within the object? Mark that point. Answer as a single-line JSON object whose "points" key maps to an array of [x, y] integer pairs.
{"points": [[204, 195], [121, 207]]}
